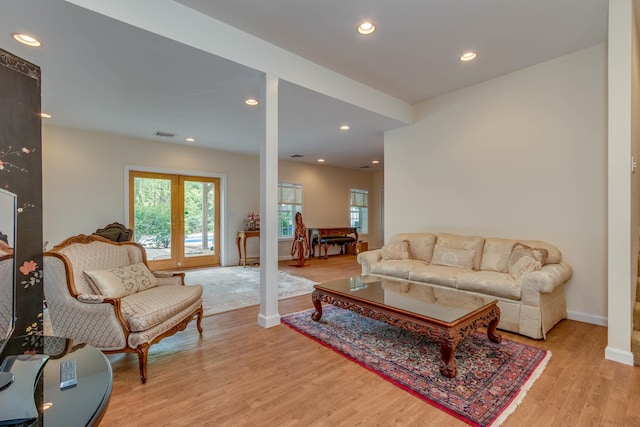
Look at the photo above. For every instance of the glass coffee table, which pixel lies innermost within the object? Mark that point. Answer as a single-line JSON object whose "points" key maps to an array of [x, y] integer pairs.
{"points": [[441, 314]]}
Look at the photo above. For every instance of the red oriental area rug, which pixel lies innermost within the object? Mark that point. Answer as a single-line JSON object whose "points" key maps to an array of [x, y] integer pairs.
{"points": [[492, 378]]}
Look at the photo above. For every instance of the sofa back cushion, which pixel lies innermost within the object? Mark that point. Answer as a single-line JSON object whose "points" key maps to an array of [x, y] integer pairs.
{"points": [[496, 253], [420, 244], [396, 250], [454, 241], [94, 256]]}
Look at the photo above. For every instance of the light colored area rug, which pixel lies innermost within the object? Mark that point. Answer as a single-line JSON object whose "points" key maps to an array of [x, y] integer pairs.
{"points": [[230, 288]]}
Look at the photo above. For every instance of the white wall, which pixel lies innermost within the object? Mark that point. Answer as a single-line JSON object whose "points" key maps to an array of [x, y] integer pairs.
{"points": [[84, 172], [520, 156]]}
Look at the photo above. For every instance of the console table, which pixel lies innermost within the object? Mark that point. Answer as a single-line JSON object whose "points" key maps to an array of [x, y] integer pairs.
{"points": [[328, 232], [241, 241], [81, 405]]}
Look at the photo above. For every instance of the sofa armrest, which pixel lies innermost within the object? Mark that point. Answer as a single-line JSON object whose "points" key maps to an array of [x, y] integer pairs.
{"points": [[548, 278], [365, 259], [168, 278]]}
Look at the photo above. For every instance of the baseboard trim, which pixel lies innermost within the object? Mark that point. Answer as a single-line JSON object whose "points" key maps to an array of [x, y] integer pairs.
{"points": [[620, 356], [588, 318], [268, 321]]}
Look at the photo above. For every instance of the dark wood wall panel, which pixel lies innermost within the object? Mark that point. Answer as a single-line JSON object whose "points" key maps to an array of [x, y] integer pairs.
{"points": [[21, 173]]}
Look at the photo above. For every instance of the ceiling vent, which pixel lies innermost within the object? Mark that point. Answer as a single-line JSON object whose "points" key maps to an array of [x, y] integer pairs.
{"points": [[164, 134], [297, 155], [365, 167]]}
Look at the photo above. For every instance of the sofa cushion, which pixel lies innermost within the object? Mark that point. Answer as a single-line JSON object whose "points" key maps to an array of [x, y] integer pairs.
{"points": [[437, 275], [462, 242], [122, 281], [420, 244], [147, 309], [496, 253], [524, 259], [397, 250], [396, 268], [490, 283]]}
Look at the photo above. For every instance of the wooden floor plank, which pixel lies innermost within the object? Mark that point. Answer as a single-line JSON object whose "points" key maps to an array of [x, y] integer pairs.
{"points": [[239, 374]]}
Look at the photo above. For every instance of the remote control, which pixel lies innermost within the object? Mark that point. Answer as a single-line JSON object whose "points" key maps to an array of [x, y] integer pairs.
{"points": [[68, 374]]}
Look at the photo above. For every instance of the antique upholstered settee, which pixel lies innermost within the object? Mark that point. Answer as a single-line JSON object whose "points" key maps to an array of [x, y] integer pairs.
{"points": [[526, 277], [103, 293]]}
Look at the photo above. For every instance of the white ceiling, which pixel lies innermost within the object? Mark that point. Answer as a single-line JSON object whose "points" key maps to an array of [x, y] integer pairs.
{"points": [[103, 75]]}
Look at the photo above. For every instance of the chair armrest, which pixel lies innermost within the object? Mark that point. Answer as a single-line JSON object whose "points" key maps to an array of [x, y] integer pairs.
{"points": [[91, 298], [365, 259], [168, 278], [548, 278]]}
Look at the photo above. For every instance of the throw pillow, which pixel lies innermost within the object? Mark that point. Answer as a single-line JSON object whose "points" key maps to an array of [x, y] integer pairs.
{"points": [[523, 266], [122, 281], [397, 250], [525, 259], [453, 257]]}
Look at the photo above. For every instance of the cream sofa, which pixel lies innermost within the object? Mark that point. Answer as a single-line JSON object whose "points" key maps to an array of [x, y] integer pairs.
{"points": [[103, 293], [526, 277]]}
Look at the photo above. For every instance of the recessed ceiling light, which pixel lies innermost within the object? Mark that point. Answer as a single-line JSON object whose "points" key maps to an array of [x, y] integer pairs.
{"points": [[375, 162], [366, 28], [344, 127], [190, 140], [320, 160], [251, 101], [27, 39], [468, 56], [45, 115]]}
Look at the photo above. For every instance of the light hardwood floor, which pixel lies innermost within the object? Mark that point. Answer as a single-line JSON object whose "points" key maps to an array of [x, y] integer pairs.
{"points": [[239, 374]]}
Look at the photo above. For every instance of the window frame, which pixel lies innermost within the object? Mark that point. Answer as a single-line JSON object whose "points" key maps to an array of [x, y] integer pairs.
{"points": [[359, 210], [288, 208]]}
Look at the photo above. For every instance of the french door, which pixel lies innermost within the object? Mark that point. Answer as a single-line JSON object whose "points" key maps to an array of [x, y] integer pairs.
{"points": [[176, 218]]}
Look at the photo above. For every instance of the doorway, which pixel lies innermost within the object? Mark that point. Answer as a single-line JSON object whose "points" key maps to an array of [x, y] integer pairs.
{"points": [[176, 218]]}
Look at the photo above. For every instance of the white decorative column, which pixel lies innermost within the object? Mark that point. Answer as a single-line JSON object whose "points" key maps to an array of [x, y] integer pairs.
{"points": [[622, 231], [269, 315]]}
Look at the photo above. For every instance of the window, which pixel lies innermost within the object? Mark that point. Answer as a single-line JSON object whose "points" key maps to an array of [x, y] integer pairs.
{"points": [[359, 210], [289, 202]]}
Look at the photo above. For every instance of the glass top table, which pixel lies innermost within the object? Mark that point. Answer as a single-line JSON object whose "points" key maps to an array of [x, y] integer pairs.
{"points": [[43, 402], [442, 314]]}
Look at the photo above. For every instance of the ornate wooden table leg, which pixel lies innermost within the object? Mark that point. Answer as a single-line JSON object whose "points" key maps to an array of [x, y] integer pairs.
{"points": [[491, 330], [447, 360], [316, 297], [239, 252]]}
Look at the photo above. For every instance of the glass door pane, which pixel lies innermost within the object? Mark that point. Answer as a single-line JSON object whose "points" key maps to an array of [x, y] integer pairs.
{"points": [[200, 207], [176, 218], [152, 216]]}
